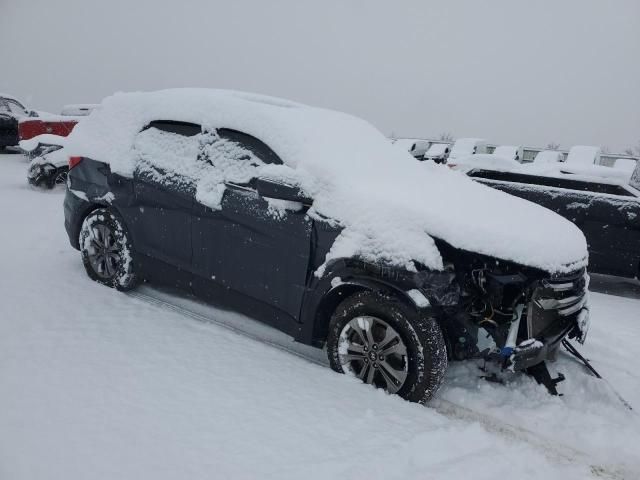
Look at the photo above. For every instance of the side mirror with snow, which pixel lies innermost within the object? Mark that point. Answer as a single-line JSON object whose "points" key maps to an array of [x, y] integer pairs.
{"points": [[269, 188]]}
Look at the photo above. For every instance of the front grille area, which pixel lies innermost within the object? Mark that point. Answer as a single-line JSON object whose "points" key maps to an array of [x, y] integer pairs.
{"points": [[556, 303]]}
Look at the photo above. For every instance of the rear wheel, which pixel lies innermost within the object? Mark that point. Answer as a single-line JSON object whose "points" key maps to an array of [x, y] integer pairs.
{"points": [[387, 343], [106, 250]]}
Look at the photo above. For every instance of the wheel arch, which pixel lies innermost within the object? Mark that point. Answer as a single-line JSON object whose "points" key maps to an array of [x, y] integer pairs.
{"points": [[315, 322]]}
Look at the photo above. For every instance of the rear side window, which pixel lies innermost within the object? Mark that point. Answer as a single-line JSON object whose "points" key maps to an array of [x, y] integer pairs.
{"points": [[181, 128], [167, 153]]}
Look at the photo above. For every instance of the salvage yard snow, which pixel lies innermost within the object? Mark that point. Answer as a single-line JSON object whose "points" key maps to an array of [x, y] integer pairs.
{"points": [[97, 384], [353, 173]]}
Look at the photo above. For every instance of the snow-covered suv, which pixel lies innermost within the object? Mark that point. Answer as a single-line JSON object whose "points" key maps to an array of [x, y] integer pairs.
{"points": [[311, 221]]}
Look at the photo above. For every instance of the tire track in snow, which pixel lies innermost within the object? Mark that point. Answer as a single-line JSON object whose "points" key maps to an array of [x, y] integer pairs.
{"points": [[553, 450]]}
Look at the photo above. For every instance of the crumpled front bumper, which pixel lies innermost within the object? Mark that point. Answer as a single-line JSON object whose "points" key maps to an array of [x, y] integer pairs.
{"points": [[558, 309]]}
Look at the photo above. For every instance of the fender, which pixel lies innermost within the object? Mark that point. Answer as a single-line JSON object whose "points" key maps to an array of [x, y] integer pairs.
{"points": [[342, 278]]}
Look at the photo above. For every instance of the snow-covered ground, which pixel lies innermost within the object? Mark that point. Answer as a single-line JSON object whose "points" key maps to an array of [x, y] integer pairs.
{"points": [[102, 385]]}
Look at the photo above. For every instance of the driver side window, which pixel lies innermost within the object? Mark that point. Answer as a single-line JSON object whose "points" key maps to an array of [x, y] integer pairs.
{"points": [[236, 156]]}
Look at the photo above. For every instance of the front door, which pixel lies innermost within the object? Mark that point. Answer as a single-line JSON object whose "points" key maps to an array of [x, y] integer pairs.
{"points": [[251, 246]]}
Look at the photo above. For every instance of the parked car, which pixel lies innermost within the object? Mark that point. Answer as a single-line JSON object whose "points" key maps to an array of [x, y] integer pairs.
{"points": [[414, 146], [488, 161], [464, 147], [311, 221], [597, 199], [46, 123], [11, 112], [511, 152], [49, 166], [548, 156], [438, 152]]}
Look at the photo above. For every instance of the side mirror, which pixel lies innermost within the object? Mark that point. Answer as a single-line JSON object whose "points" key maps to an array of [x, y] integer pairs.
{"points": [[33, 113], [275, 189]]}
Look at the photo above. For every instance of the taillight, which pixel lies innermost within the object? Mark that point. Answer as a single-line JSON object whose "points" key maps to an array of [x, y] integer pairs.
{"points": [[73, 161]]}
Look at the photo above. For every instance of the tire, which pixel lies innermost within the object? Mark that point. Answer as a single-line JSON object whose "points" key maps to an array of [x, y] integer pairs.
{"points": [[416, 361], [107, 252], [59, 178]]}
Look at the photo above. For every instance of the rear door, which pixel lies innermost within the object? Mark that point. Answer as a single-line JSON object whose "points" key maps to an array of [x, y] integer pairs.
{"points": [[164, 190], [255, 247]]}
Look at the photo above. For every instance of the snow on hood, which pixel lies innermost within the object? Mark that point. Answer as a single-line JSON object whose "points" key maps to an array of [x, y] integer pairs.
{"points": [[390, 205], [43, 139]]}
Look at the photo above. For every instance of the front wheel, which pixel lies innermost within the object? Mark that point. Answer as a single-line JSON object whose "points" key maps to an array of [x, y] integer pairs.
{"points": [[387, 343], [106, 250]]}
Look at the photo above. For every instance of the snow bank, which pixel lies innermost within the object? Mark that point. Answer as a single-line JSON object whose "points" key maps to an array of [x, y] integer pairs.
{"points": [[583, 155], [390, 206]]}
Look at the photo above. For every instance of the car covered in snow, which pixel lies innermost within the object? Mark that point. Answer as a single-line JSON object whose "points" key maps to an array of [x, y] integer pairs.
{"points": [[49, 165], [463, 147], [11, 112], [311, 221], [438, 152], [414, 146], [602, 201]]}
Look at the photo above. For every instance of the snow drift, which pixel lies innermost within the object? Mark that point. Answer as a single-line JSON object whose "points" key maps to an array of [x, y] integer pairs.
{"points": [[390, 205]]}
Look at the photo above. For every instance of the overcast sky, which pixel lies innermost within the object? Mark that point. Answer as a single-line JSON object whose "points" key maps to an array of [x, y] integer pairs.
{"points": [[522, 72]]}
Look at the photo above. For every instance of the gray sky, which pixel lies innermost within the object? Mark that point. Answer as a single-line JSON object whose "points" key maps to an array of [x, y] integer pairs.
{"points": [[511, 71]]}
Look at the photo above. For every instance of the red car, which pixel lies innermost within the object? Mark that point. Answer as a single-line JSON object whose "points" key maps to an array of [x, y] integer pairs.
{"points": [[60, 125]]}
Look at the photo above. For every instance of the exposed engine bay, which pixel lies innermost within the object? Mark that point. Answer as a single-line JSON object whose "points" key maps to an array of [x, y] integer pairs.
{"points": [[513, 316]]}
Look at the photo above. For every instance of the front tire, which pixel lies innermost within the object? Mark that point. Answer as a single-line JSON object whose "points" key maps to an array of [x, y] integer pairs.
{"points": [[389, 344], [107, 253]]}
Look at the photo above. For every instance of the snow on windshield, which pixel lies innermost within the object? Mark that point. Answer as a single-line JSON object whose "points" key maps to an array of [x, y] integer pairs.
{"points": [[389, 205]]}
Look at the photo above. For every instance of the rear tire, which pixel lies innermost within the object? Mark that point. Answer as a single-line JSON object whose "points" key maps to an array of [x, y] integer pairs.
{"points": [[107, 252], [407, 347]]}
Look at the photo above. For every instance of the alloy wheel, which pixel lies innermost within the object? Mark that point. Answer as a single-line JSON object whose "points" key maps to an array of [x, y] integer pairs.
{"points": [[103, 251], [374, 351]]}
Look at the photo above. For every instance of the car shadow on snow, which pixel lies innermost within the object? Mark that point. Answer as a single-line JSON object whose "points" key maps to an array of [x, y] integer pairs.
{"points": [[618, 286]]}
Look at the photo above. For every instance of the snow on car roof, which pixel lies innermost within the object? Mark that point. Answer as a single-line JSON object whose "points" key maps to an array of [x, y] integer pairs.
{"points": [[355, 176], [583, 155]]}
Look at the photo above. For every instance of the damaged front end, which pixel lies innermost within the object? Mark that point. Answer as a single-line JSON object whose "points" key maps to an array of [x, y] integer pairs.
{"points": [[502, 312]]}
